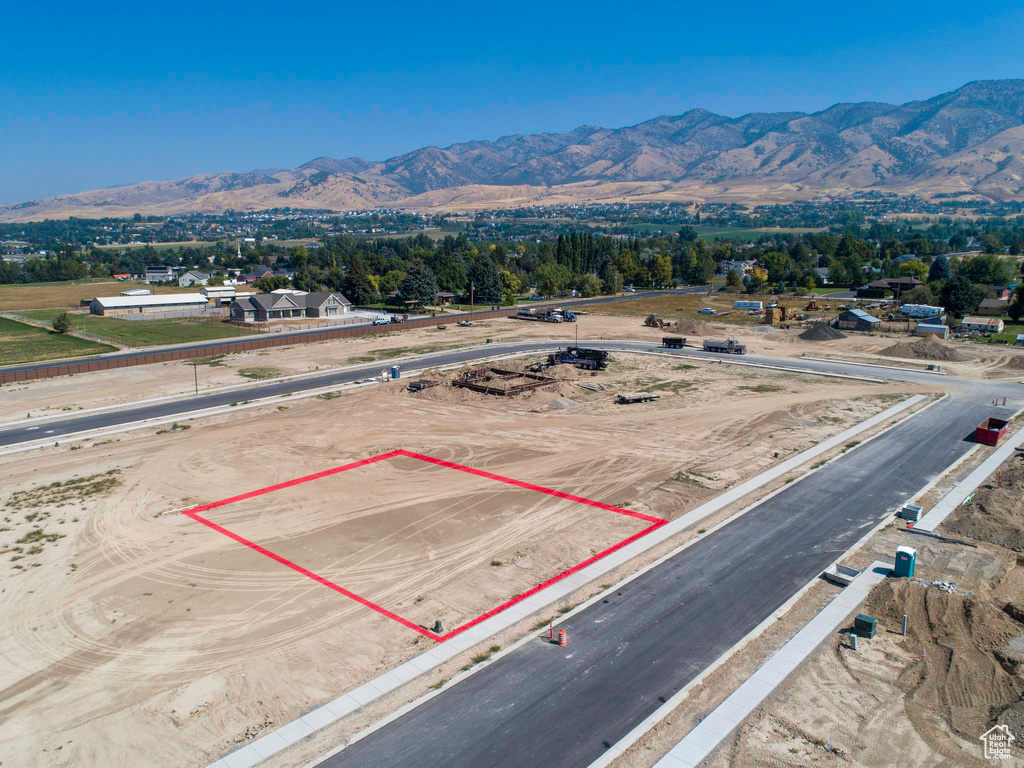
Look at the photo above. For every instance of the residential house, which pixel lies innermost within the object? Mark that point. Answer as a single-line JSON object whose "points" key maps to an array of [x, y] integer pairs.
{"points": [[993, 307], [192, 278], [741, 267], [158, 274], [822, 275], [256, 274], [266, 307], [1001, 291]]}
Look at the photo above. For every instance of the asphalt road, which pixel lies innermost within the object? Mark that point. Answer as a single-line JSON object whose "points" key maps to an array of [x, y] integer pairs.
{"points": [[317, 331], [58, 428], [544, 705]]}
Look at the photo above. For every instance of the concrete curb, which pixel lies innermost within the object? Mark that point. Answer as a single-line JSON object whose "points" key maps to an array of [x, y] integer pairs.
{"points": [[262, 748], [716, 727]]}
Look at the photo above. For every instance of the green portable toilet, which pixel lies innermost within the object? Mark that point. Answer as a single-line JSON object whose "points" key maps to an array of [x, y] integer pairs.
{"points": [[906, 558], [865, 626]]}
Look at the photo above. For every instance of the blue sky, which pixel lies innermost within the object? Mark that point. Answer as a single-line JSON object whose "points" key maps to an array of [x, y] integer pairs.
{"points": [[96, 95]]}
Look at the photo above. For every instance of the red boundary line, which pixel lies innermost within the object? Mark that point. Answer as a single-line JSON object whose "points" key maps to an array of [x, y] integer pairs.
{"points": [[193, 513]]}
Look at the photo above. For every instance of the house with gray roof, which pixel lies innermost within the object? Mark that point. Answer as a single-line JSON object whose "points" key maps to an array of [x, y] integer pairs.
{"points": [[267, 307]]}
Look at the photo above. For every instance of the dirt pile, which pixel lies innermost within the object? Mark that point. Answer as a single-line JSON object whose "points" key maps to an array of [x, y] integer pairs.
{"points": [[822, 332], [928, 348], [996, 515], [967, 676], [1015, 363], [696, 327]]}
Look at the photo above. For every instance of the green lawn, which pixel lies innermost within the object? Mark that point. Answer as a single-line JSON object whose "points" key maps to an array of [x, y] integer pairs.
{"points": [[1010, 332], [143, 333], [21, 343]]}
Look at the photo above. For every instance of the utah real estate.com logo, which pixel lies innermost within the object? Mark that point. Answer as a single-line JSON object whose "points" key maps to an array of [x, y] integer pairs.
{"points": [[997, 741]]}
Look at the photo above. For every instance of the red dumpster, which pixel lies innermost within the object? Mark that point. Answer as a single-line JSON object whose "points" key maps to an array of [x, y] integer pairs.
{"points": [[990, 431]]}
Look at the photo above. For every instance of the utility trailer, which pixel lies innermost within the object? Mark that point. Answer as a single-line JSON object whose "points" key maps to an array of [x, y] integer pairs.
{"points": [[628, 398], [673, 342], [545, 316], [990, 431], [729, 346]]}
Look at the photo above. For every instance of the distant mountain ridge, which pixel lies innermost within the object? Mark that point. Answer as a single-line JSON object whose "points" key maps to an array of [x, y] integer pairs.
{"points": [[968, 141]]}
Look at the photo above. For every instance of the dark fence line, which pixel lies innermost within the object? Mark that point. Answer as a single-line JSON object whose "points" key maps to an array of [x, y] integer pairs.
{"points": [[248, 344]]}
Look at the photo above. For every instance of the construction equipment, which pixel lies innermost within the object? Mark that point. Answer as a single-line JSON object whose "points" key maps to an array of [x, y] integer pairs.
{"points": [[812, 306], [464, 323], [653, 321], [729, 346], [587, 359], [627, 398], [673, 342]]}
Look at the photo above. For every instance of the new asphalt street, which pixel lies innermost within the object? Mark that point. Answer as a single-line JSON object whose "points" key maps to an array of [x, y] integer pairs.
{"points": [[545, 705], [62, 427]]}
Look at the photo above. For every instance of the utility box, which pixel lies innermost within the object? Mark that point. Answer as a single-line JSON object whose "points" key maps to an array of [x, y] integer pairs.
{"points": [[911, 512], [396, 371], [906, 559], [865, 626]]}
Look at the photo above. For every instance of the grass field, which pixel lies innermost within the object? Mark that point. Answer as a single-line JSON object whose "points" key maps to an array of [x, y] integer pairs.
{"points": [[18, 296], [143, 333], [672, 307], [21, 343], [1010, 332]]}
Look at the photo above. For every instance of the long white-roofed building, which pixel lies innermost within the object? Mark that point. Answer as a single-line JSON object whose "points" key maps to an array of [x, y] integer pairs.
{"points": [[134, 305]]}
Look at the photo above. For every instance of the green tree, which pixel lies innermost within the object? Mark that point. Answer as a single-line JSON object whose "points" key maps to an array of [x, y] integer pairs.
{"points": [[61, 322], [611, 279], [939, 269], [551, 278], [732, 278], [215, 280], [270, 283], [357, 285], [588, 285], [687, 234], [1016, 308], [960, 296], [661, 270], [914, 268], [419, 285], [510, 285], [485, 281], [391, 281]]}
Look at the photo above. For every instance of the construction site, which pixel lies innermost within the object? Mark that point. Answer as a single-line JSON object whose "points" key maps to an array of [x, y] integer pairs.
{"points": [[181, 589]]}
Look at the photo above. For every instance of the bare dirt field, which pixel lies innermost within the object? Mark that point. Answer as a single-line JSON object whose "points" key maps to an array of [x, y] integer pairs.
{"points": [[141, 637], [72, 393]]}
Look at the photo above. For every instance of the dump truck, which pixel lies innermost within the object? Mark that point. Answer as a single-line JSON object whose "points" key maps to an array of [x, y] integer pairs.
{"points": [[673, 342], [729, 346]]}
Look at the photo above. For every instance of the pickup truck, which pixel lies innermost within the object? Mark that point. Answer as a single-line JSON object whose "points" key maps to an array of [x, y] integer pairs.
{"points": [[707, 311], [382, 320]]}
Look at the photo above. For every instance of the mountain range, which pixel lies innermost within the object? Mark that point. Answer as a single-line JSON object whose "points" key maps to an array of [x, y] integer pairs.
{"points": [[968, 142]]}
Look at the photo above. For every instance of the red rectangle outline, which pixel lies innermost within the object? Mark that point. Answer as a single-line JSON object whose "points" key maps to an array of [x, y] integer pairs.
{"points": [[194, 513]]}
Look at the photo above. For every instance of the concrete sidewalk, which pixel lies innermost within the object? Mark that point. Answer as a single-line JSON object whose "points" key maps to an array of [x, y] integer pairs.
{"points": [[262, 748], [713, 729], [937, 514]]}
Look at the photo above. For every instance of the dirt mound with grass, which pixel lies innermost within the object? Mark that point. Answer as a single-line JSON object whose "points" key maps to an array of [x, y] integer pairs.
{"points": [[967, 676], [928, 348], [694, 327], [996, 516], [822, 332]]}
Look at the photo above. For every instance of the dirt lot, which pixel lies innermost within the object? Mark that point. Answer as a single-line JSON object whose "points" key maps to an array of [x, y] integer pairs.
{"points": [[141, 637], [923, 699]]}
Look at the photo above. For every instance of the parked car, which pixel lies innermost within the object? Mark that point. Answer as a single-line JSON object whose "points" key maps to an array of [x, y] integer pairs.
{"points": [[707, 311]]}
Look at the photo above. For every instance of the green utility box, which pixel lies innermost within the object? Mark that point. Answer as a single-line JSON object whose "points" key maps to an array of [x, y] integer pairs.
{"points": [[865, 626], [906, 558]]}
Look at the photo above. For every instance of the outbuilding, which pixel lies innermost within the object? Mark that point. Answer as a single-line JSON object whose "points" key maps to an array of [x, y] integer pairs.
{"points": [[857, 320], [133, 305], [992, 307], [982, 324], [928, 329]]}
